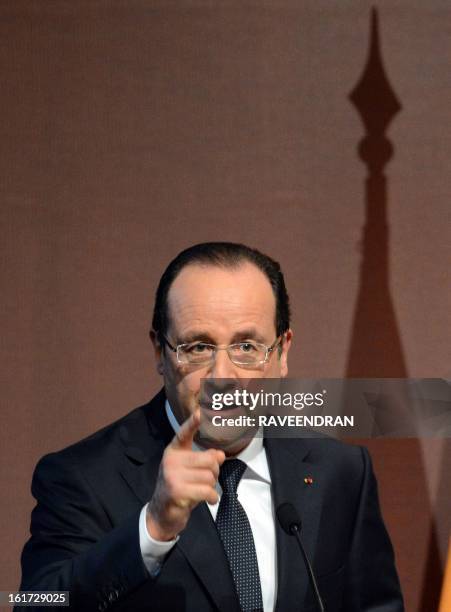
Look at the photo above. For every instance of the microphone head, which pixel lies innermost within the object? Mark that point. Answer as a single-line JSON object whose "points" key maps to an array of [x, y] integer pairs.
{"points": [[288, 518]]}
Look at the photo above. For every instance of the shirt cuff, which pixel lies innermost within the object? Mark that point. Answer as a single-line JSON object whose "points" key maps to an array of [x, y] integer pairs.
{"points": [[153, 551]]}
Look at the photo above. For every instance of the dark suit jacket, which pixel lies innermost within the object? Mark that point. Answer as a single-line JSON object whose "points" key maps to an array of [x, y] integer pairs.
{"points": [[85, 536]]}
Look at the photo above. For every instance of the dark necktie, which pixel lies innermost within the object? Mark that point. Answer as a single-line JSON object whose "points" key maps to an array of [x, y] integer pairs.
{"points": [[236, 535]]}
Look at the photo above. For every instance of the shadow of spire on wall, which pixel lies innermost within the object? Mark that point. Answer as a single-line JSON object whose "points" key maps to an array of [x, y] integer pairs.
{"points": [[375, 349]]}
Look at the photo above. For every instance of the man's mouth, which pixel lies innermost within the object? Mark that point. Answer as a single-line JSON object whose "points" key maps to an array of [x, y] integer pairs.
{"points": [[209, 410]]}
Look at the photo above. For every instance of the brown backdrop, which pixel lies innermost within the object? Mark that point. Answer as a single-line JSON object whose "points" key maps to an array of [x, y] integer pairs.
{"points": [[133, 128]]}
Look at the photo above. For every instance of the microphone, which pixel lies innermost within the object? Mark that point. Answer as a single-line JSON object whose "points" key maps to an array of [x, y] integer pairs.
{"points": [[291, 523]]}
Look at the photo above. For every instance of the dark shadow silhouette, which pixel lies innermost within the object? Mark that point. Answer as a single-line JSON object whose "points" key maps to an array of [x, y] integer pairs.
{"points": [[375, 349], [433, 574]]}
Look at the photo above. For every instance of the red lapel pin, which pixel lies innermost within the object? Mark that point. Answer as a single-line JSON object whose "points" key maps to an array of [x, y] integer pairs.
{"points": [[308, 480]]}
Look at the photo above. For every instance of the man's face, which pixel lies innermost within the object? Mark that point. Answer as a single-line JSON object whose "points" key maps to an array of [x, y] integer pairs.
{"points": [[219, 306]]}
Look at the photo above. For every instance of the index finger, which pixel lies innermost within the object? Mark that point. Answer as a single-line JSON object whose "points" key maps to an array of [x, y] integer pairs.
{"points": [[184, 437]]}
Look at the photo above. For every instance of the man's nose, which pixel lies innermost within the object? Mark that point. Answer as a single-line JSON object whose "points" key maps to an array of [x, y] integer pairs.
{"points": [[222, 366], [222, 376]]}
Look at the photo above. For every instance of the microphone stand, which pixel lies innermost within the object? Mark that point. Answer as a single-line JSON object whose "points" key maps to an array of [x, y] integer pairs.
{"points": [[296, 532]]}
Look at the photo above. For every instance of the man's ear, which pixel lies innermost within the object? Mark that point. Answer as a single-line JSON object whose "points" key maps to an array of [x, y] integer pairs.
{"points": [[158, 350], [285, 344]]}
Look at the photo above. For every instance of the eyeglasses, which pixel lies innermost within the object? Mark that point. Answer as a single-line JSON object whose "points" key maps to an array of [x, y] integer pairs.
{"points": [[244, 354]]}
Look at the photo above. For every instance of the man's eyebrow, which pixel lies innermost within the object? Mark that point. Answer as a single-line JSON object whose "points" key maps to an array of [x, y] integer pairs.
{"points": [[195, 336], [248, 334], [199, 335]]}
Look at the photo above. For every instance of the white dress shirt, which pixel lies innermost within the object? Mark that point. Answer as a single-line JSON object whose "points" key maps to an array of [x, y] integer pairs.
{"points": [[254, 494]]}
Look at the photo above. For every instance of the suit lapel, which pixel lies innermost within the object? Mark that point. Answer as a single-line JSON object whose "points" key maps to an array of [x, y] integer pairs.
{"points": [[289, 465], [200, 544], [144, 439]]}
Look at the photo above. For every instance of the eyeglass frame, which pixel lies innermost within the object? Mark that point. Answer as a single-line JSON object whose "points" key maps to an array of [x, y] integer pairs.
{"points": [[268, 350]]}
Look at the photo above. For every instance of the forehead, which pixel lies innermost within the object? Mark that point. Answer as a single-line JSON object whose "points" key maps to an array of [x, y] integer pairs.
{"points": [[221, 300]]}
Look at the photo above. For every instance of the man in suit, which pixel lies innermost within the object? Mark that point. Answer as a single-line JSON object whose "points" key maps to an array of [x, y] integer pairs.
{"points": [[149, 514]]}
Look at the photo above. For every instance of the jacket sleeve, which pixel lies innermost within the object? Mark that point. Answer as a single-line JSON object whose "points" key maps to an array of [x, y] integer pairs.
{"points": [[74, 546], [372, 583]]}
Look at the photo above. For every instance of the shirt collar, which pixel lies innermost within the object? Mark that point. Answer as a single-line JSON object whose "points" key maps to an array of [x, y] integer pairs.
{"points": [[254, 455]]}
